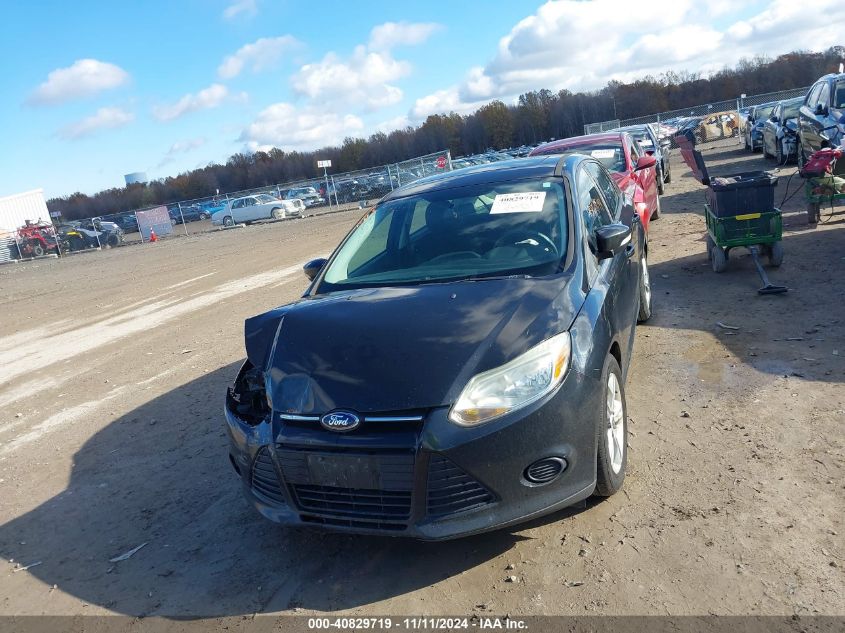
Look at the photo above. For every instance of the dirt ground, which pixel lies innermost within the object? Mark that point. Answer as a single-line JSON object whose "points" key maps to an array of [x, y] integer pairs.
{"points": [[113, 367]]}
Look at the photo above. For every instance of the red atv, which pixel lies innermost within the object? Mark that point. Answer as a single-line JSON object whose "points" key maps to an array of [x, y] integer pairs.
{"points": [[35, 240]]}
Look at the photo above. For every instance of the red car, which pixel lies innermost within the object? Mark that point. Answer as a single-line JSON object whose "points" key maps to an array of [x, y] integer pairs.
{"points": [[633, 169]]}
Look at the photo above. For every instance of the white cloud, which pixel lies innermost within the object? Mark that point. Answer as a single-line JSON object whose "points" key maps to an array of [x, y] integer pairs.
{"points": [[84, 78], [210, 97], [247, 8], [583, 45], [181, 147], [365, 79], [391, 34], [261, 55], [286, 126], [104, 118]]}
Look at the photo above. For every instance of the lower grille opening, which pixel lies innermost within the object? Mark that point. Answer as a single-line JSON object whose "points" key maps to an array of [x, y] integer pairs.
{"points": [[451, 490], [264, 481], [350, 503], [350, 523]]}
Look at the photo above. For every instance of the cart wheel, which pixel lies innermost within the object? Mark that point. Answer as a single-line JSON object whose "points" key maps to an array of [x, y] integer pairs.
{"points": [[710, 245], [813, 214], [775, 254], [718, 259]]}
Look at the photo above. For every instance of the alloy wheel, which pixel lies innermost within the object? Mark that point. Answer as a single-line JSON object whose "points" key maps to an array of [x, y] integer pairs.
{"points": [[615, 423]]}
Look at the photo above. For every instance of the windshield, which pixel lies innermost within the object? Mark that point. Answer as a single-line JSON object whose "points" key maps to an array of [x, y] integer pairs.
{"points": [[500, 229], [265, 198]]}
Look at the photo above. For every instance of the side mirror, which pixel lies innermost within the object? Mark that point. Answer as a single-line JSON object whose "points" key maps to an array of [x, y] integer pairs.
{"points": [[611, 239], [649, 152], [312, 268], [773, 118], [644, 162]]}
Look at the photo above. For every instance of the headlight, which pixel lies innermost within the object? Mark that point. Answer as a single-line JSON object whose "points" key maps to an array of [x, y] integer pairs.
{"points": [[516, 384]]}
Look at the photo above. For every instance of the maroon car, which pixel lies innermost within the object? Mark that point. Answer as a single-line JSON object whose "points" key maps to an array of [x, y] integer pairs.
{"points": [[633, 169]]}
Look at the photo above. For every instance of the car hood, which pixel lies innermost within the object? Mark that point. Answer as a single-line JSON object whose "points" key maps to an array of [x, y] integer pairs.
{"points": [[401, 348]]}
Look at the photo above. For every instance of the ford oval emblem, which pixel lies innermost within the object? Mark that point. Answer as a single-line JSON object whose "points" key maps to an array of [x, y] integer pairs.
{"points": [[340, 421]]}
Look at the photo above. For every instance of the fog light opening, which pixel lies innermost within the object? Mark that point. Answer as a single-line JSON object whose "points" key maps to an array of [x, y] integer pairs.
{"points": [[544, 471]]}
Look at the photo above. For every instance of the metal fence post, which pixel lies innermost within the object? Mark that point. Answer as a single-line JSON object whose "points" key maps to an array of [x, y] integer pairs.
{"points": [[184, 226]]}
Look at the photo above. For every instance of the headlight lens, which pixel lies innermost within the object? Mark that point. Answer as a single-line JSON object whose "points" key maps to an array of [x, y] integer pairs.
{"points": [[523, 380]]}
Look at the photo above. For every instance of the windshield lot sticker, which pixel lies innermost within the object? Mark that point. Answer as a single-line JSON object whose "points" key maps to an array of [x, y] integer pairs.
{"points": [[603, 153], [528, 202]]}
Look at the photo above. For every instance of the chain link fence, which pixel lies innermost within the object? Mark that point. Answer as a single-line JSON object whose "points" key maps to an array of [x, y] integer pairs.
{"points": [[325, 194]]}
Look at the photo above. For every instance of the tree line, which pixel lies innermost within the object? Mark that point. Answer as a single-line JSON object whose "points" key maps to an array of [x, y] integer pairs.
{"points": [[536, 116]]}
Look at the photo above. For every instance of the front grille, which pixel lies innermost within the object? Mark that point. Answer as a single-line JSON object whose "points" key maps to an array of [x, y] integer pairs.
{"points": [[351, 523], [379, 505], [451, 490], [264, 480]]}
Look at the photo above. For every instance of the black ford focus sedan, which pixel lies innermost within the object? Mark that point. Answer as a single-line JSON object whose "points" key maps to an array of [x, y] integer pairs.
{"points": [[457, 364]]}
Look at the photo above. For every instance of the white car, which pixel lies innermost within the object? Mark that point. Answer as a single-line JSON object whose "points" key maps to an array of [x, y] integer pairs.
{"points": [[261, 206]]}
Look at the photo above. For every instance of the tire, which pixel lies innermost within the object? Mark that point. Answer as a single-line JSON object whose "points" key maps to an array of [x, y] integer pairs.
{"points": [[645, 294], [660, 181], [113, 240], [655, 215], [775, 254], [173, 222], [203, 216], [228, 221], [278, 214], [718, 259], [813, 212], [668, 170], [800, 158], [766, 154], [37, 249], [748, 147], [779, 153], [611, 432], [710, 245]]}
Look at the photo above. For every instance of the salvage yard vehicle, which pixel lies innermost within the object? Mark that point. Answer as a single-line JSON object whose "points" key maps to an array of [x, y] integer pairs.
{"points": [[259, 207], [754, 128], [717, 126], [820, 118], [457, 364], [780, 131], [654, 146], [631, 168], [308, 195]]}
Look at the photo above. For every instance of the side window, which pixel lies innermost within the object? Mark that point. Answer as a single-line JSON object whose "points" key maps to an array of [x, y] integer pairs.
{"points": [[612, 195], [635, 153], [237, 204], [824, 96], [592, 207], [813, 97], [839, 96]]}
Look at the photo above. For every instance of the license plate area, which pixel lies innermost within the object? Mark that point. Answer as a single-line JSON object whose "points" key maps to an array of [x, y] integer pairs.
{"points": [[343, 471]]}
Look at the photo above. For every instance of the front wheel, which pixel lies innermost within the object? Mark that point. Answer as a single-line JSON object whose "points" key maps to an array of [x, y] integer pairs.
{"points": [[644, 313], [718, 259], [37, 250], [612, 430], [203, 216], [227, 221], [655, 215], [660, 182], [278, 214]]}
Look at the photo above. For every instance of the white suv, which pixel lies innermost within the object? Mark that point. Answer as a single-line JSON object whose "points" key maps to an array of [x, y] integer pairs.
{"points": [[262, 206]]}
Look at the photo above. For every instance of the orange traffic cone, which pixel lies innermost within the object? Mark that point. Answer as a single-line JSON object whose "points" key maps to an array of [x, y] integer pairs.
{"points": [[153, 237]]}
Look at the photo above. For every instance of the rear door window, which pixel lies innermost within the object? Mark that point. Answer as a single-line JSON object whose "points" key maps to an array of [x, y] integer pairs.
{"points": [[824, 96]]}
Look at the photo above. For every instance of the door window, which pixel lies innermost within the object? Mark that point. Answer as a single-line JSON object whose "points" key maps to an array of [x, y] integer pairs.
{"points": [[824, 96], [612, 195], [592, 208], [812, 96], [237, 204]]}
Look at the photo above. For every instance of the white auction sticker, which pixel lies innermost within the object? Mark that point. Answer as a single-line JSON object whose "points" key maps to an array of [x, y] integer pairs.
{"points": [[528, 202], [603, 153]]}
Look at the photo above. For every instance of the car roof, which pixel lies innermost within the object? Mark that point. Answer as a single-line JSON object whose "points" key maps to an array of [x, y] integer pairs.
{"points": [[500, 171], [575, 141], [833, 76]]}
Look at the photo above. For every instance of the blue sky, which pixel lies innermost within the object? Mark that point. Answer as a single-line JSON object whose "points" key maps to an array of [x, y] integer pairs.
{"points": [[96, 90]]}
